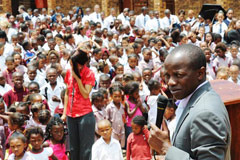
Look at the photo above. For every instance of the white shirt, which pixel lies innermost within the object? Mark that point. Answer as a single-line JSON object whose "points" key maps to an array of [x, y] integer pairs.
{"points": [[124, 19], [79, 38], [86, 18], [108, 21], [152, 24], [141, 20], [4, 89], [2, 63], [96, 17], [183, 103], [39, 79], [220, 28], [152, 113], [26, 156], [8, 50], [166, 22], [50, 93], [103, 151], [44, 155]]}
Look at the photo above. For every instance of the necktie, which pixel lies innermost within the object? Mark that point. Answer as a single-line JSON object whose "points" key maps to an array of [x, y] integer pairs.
{"points": [[97, 16], [169, 21], [220, 28], [158, 23], [144, 20]]}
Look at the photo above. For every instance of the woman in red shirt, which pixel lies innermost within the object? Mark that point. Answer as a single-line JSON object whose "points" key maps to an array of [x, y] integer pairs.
{"points": [[77, 107]]}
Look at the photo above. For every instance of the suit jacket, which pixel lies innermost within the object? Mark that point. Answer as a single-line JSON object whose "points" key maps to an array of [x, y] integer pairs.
{"points": [[203, 130]]}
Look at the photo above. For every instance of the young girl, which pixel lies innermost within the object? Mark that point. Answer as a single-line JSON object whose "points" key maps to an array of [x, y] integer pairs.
{"points": [[116, 115], [18, 144], [132, 64], [134, 105], [18, 63], [35, 137], [16, 124], [137, 142], [55, 136]]}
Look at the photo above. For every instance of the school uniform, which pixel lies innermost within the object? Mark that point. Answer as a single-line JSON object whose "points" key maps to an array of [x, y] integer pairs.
{"points": [[152, 24], [221, 62], [14, 95], [4, 89], [48, 93], [143, 64], [8, 76], [108, 21], [128, 69], [219, 28], [40, 80], [117, 118], [141, 20], [103, 151]]}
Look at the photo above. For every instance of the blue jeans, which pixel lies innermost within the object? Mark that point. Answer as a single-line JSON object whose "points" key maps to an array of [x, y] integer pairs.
{"points": [[81, 132]]}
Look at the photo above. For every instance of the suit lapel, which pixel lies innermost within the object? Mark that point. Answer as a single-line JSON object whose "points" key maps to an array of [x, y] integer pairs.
{"points": [[194, 98]]}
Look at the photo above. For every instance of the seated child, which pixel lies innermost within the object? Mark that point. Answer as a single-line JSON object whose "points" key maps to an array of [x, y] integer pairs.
{"points": [[18, 144], [223, 73], [234, 72], [35, 137], [106, 147], [98, 109], [137, 142], [8, 73]]}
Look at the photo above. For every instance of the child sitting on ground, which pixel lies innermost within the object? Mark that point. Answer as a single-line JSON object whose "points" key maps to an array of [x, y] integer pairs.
{"points": [[106, 147]]}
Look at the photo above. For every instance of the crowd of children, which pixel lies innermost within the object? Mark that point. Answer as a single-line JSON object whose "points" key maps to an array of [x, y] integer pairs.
{"points": [[126, 54]]}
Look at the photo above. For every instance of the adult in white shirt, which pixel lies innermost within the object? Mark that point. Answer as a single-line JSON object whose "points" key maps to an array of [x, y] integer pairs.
{"points": [[124, 16], [142, 19], [22, 10], [5, 26], [169, 19], [220, 27], [110, 19], [152, 23], [86, 16], [96, 15], [44, 14], [158, 20], [8, 48]]}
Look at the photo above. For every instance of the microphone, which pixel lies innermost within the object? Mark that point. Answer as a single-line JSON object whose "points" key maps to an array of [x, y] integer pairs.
{"points": [[161, 106]]}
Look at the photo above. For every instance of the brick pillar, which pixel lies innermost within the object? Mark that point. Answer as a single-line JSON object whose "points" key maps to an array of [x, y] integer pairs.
{"points": [[7, 6], [105, 7], [159, 5], [51, 5]]}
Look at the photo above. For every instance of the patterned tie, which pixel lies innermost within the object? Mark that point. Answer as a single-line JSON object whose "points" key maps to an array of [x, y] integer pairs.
{"points": [[220, 28]]}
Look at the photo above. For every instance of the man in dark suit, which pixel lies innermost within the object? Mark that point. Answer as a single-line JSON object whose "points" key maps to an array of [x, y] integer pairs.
{"points": [[203, 128]]}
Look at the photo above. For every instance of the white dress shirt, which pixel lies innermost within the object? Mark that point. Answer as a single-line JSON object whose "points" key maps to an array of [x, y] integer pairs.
{"points": [[124, 19], [4, 89], [86, 18], [103, 151], [152, 24], [8, 50], [141, 20], [220, 28], [167, 21], [108, 21], [96, 17]]}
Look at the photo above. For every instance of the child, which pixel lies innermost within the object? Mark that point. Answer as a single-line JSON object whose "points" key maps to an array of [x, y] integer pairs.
{"points": [[4, 87], [18, 92], [170, 116], [18, 144], [106, 147], [97, 54], [18, 63], [32, 76], [134, 105], [209, 69], [137, 142], [52, 90], [55, 137], [221, 59], [34, 119], [35, 137], [119, 68], [147, 60], [59, 109], [151, 101], [222, 73], [8, 73], [132, 64], [105, 96], [234, 72], [116, 115], [104, 81], [220, 27], [98, 109], [234, 52]]}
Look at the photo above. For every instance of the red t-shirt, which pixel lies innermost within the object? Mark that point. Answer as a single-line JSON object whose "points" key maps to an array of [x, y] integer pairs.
{"points": [[78, 105]]}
